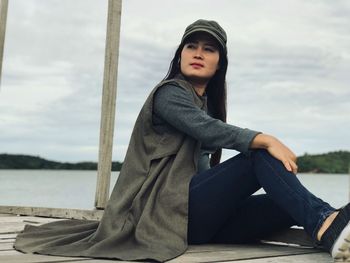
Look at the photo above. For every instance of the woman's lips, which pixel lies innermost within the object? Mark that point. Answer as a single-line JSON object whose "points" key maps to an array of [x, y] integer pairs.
{"points": [[197, 65]]}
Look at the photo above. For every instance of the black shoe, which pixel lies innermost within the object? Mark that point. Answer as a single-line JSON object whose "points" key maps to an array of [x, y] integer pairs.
{"points": [[336, 239]]}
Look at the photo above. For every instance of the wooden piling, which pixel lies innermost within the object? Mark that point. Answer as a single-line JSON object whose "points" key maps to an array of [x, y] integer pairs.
{"points": [[3, 18], [108, 103]]}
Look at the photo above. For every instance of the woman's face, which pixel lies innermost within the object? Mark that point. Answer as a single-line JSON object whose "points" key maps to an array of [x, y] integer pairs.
{"points": [[200, 58]]}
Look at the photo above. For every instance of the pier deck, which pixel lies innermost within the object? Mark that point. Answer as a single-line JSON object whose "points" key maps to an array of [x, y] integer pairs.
{"points": [[11, 225]]}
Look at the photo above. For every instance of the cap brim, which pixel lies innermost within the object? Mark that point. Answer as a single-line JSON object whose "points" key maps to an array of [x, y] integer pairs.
{"points": [[210, 32]]}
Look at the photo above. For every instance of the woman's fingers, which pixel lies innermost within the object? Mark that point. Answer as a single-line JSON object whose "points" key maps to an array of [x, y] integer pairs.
{"points": [[287, 165], [291, 160], [291, 166], [294, 167], [292, 155]]}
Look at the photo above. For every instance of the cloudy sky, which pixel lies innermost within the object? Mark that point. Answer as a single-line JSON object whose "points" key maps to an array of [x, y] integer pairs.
{"points": [[288, 71]]}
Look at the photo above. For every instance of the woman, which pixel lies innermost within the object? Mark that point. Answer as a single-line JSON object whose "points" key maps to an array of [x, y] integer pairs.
{"points": [[169, 194]]}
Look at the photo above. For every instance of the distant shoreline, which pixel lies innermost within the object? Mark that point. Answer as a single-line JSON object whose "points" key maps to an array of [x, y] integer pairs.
{"points": [[29, 162], [337, 162]]}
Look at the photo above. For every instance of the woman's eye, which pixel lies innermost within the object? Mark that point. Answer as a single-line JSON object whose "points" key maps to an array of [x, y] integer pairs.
{"points": [[210, 49], [190, 46]]}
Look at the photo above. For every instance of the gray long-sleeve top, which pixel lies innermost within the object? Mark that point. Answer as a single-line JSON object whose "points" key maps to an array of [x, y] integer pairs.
{"points": [[174, 105]]}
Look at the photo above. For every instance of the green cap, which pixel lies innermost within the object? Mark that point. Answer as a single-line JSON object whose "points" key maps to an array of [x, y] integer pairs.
{"points": [[209, 26]]}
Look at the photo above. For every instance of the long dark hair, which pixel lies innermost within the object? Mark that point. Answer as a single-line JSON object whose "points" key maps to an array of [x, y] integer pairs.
{"points": [[216, 90]]}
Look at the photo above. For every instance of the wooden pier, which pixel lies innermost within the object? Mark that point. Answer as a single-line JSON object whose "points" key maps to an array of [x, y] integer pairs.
{"points": [[11, 225], [13, 219]]}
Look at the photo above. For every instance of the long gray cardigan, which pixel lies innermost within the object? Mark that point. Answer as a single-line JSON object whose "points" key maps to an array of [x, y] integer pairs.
{"points": [[146, 216]]}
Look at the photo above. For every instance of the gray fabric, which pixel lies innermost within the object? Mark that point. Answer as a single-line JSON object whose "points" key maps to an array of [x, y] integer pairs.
{"points": [[146, 216], [173, 105]]}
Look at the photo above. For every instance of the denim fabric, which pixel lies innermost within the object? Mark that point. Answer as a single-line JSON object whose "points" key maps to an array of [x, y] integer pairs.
{"points": [[222, 208]]}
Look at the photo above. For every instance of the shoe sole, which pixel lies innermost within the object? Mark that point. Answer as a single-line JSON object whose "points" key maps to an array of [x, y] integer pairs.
{"points": [[341, 248]]}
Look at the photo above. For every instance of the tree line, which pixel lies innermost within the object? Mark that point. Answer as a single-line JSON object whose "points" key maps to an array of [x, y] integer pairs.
{"points": [[15, 161], [332, 162]]}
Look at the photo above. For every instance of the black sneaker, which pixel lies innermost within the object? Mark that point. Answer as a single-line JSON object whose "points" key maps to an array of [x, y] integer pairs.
{"points": [[336, 239]]}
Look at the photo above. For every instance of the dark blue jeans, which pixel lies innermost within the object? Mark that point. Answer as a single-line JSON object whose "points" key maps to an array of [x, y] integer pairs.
{"points": [[222, 208]]}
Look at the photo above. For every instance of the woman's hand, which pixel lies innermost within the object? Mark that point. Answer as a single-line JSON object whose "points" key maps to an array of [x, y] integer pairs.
{"points": [[277, 149]]}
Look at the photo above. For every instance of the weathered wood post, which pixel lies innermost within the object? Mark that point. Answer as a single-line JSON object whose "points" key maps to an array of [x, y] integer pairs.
{"points": [[108, 103], [3, 18]]}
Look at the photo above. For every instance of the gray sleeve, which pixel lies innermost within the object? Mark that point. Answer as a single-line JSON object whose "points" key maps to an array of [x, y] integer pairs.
{"points": [[175, 106]]}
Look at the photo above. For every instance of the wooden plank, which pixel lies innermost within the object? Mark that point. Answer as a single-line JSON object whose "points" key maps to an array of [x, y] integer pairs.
{"points": [[307, 258], [226, 247], [9, 240], [239, 252], [6, 215], [8, 253], [106, 261], [19, 257], [211, 248], [13, 227], [53, 212], [7, 236], [28, 219], [26, 258], [16, 224], [6, 246], [109, 95], [31, 258], [3, 18]]}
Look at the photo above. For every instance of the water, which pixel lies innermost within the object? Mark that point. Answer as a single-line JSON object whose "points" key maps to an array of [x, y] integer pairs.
{"points": [[49, 188], [76, 189]]}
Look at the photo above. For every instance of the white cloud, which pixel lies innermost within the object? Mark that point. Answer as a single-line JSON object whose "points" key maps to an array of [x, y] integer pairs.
{"points": [[288, 72]]}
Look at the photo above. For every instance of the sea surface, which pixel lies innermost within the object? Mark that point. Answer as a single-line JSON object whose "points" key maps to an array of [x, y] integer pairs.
{"points": [[76, 189]]}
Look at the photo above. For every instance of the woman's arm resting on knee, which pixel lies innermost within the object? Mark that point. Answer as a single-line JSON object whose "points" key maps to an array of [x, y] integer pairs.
{"points": [[277, 149]]}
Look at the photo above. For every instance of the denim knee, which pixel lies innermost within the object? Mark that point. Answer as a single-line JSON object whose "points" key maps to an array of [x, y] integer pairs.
{"points": [[254, 152]]}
